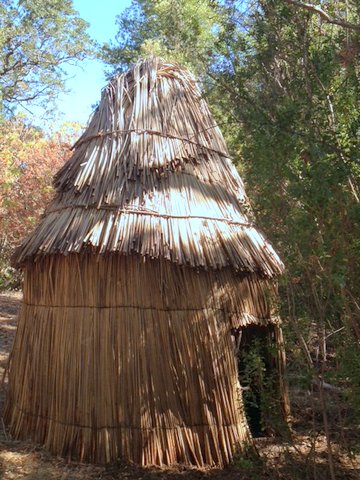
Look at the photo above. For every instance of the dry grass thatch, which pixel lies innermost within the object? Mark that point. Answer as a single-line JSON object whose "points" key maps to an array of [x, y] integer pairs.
{"points": [[144, 374], [152, 175], [127, 353]]}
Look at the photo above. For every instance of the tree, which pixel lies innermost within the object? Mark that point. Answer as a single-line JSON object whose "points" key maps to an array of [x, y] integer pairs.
{"points": [[292, 86], [180, 30], [37, 39], [28, 162], [284, 83], [295, 96], [324, 15], [285, 86]]}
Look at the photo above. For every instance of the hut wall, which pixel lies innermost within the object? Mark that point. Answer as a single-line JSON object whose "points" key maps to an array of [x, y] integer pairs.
{"points": [[116, 357]]}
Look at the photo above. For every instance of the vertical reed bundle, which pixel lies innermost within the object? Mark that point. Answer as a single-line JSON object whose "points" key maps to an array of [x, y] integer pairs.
{"points": [[104, 370]]}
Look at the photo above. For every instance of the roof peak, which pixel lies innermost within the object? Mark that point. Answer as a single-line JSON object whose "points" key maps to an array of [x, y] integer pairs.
{"points": [[152, 175]]}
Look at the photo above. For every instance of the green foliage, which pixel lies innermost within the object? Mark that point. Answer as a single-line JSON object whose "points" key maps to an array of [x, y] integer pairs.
{"points": [[260, 379], [37, 38], [180, 30], [284, 85], [348, 374], [10, 279]]}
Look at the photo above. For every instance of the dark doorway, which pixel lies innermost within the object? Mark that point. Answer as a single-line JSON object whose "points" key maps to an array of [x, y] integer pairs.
{"points": [[257, 370]]}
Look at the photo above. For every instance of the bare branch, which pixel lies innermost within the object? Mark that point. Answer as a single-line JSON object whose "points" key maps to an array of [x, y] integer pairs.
{"points": [[325, 16]]}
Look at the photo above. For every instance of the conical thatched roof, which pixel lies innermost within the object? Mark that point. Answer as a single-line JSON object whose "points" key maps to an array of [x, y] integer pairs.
{"points": [[152, 175]]}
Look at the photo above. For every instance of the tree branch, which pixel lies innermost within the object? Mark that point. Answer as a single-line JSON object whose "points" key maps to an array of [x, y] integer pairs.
{"points": [[325, 16]]}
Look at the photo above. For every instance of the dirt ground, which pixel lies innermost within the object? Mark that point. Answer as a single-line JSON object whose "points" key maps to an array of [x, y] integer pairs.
{"points": [[302, 457]]}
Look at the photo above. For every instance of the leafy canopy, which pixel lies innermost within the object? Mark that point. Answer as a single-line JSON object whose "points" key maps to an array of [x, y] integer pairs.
{"points": [[37, 39], [284, 84], [182, 30]]}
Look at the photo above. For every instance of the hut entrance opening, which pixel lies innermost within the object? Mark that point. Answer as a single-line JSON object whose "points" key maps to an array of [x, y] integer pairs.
{"points": [[256, 352]]}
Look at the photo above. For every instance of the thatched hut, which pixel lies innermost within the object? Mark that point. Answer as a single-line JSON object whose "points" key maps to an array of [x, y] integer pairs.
{"points": [[141, 266]]}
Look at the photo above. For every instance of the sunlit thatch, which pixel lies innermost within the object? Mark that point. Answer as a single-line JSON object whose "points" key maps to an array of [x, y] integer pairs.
{"points": [[152, 175], [133, 279]]}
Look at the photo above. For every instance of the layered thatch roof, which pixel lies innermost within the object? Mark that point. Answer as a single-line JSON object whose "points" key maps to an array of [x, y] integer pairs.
{"points": [[152, 175]]}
